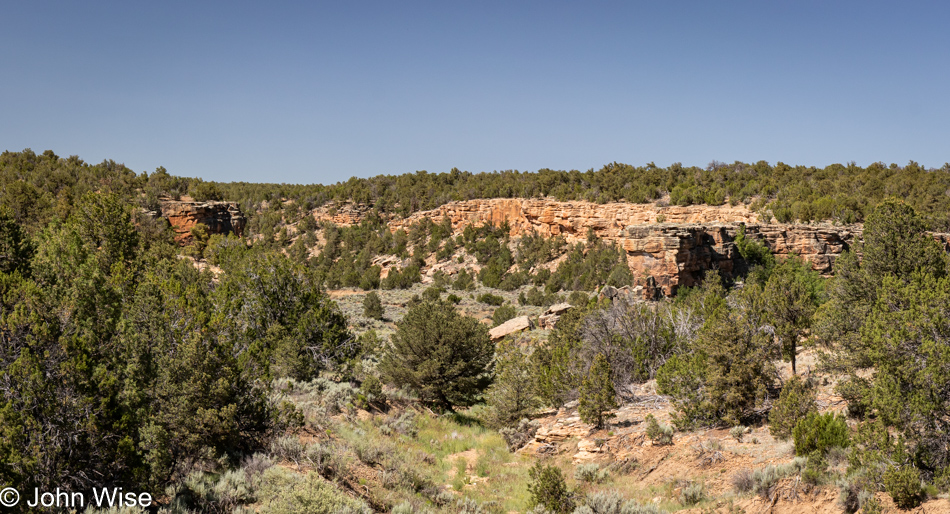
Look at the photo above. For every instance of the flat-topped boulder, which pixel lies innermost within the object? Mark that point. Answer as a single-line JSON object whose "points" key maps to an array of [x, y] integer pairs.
{"points": [[509, 327]]}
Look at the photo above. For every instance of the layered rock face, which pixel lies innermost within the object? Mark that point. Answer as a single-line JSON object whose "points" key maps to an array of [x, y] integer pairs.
{"points": [[667, 246], [679, 255], [548, 217], [219, 217], [572, 219]]}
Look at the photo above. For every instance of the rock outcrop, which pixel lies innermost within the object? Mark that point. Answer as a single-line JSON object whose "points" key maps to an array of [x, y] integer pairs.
{"points": [[219, 217], [549, 318], [509, 327], [573, 219], [667, 246], [547, 217], [679, 255]]}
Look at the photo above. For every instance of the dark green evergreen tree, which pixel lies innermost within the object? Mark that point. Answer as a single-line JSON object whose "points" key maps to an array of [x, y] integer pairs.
{"points": [[597, 394], [441, 355], [796, 401], [372, 306], [792, 294]]}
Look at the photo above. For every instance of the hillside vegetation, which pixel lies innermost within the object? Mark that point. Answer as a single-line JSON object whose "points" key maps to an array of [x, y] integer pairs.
{"points": [[308, 368]]}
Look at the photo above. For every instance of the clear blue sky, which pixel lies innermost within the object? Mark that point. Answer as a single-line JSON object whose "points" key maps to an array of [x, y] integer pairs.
{"points": [[320, 91]]}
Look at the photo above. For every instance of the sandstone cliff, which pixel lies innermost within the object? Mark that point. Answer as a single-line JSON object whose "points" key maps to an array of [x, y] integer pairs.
{"points": [[667, 246], [219, 217], [676, 255], [549, 217]]}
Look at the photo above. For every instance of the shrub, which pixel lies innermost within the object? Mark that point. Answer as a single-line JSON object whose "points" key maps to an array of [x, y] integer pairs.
{"points": [[370, 278], [549, 490], [402, 279], [578, 299], [872, 506], [432, 293], [404, 424], [503, 314], [537, 297], [319, 456], [762, 480], [856, 391], [403, 508], [737, 432], [903, 484], [468, 506], [624, 466], [373, 306], [491, 299], [287, 448], [285, 492], [743, 481], [610, 502], [464, 281], [727, 377], [658, 433], [853, 492], [814, 469], [368, 452], [683, 378], [371, 391], [516, 437], [453, 299], [590, 473], [819, 432], [202, 492], [692, 494], [796, 401]]}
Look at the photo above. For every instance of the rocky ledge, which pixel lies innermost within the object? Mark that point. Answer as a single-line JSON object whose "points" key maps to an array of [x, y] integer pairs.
{"points": [[218, 217]]}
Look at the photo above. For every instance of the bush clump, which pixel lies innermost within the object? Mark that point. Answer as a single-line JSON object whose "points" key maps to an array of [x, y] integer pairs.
{"points": [[590, 473], [548, 489], [373, 306], [402, 278], [692, 494], [441, 355], [463, 282], [503, 314], [903, 484], [491, 299], [816, 433], [516, 437], [657, 432], [795, 402], [737, 432]]}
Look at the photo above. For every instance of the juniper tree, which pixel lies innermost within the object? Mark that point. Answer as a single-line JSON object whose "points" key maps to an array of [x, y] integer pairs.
{"points": [[441, 355], [513, 392], [597, 394], [372, 306], [792, 296]]}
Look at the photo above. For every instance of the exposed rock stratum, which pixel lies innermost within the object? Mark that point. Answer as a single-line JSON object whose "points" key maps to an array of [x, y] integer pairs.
{"points": [[673, 245]]}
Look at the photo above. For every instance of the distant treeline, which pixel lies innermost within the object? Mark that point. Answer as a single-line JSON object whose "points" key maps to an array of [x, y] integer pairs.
{"points": [[44, 185]]}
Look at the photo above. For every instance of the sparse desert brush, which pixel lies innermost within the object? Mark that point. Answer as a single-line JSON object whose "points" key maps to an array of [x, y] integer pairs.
{"points": [[590, 472], [657, 432]]}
